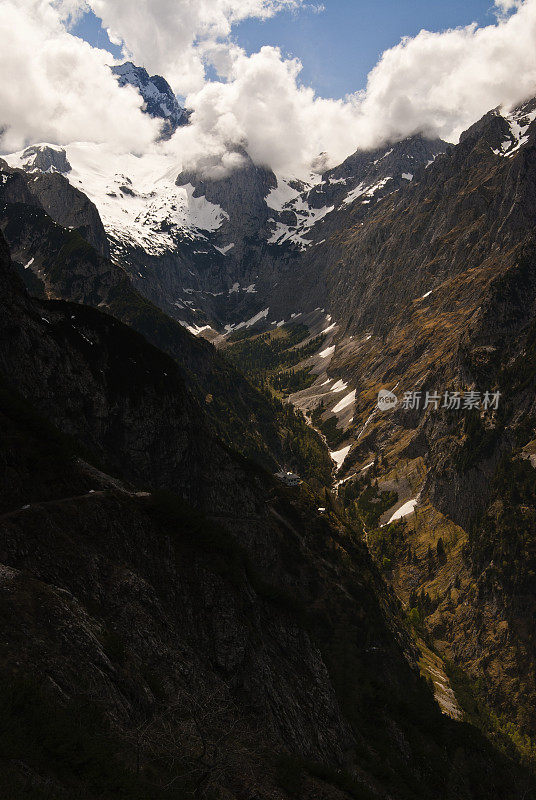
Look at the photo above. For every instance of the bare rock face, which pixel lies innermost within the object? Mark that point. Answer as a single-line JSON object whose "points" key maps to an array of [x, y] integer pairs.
{"points": [[240, 190], [71, 209], [45, 158]]}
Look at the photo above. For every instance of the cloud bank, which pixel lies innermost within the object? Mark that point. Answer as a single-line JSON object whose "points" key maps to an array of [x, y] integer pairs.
{"points": [[436, 83]]}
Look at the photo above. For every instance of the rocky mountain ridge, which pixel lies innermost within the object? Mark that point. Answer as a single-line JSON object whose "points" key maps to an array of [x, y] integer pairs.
{"points": [[213, 248], [436, 293], [58, 262]]}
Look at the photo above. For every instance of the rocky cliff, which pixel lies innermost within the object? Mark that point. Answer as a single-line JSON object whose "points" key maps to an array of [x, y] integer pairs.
{"points": [[435, 293]]}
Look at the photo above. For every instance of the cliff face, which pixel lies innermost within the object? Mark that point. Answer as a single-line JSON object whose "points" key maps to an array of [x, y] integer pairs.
{"points": [[247, 647], [436, 292]]}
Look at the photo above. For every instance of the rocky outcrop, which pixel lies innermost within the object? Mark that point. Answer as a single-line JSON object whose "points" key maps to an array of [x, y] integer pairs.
{"points": [[45, 158]]}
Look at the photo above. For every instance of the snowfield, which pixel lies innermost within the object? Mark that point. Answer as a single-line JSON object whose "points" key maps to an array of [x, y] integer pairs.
{"points": [[136, 196], [345, 402]]}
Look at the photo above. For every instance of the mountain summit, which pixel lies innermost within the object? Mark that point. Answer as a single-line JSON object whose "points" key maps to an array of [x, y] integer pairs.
{"points": [[160, 100]]}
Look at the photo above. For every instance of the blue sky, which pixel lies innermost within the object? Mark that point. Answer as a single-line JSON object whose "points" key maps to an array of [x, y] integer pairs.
{"points": [[339, 46]]}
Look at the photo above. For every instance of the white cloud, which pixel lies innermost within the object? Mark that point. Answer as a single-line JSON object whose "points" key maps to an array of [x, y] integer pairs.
{"points": [[504, 6], [436, 83], [170, 36], [262, 107], [440, 83], [57, 88]]}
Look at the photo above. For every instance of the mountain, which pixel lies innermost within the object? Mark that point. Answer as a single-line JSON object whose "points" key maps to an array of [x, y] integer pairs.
{"points": [[160, 101], [409, 269], [435, 291], [61, 263], [215, 250], [248, 645]]}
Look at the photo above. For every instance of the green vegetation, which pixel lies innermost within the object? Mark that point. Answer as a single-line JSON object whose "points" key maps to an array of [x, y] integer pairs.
{"points": [[363, 500], [506, 534], [267, 358], [286, 383], [329, 428], [505, 736], [420, 606], [262, 353]]}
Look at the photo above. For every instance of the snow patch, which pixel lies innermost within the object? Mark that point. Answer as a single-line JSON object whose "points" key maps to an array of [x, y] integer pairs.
{"points": [[224, 250], [338, 456], [137, 198], [404, 511], [257, 318], [340, 386], [327, 352], [364, 191], [345, 402]]}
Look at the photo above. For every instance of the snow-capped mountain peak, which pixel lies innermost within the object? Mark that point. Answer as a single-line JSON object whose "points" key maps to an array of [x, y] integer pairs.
{"points": [[160, 101]]}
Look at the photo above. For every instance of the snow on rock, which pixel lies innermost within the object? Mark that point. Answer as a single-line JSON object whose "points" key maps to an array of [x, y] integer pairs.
{"points": [[364, 191], [248, 323], [327, 352], [519, 122], [338, 456], [340, 386], [329, 328], [291, 196], [43, 157], [345, 402], [195, 329], [283, 194], [136, 196], [407, 176], [296, 233], [404, 511], [224, 250]]}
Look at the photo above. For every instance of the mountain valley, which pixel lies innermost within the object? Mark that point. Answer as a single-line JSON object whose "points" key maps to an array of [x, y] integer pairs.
{"points": [[172, 341]]}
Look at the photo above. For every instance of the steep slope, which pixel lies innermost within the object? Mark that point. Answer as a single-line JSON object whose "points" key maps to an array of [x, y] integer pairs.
{"points": [[436, 292], [246, 647], [216, 245]]}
